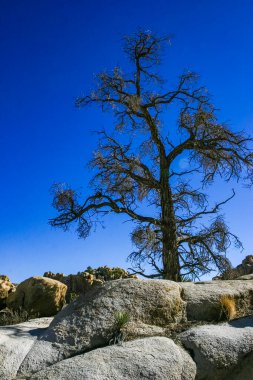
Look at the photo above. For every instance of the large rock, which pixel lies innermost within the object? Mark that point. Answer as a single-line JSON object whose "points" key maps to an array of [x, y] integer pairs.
{"points": [[89, 322], [222, 351], [204, 298], [15, 343], [39, 296], [150, 358], [6, 288]]}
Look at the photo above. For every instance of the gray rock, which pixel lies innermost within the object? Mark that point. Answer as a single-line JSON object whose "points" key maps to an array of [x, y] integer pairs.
{"points": [[150, 358], [203, 298], [89, 322], [244, 370], [222, 351], [15, 343], [40, 352], [245, 277]]}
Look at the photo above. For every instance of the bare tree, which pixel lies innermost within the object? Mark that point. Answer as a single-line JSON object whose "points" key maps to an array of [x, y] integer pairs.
{"points": [[138, 171]]}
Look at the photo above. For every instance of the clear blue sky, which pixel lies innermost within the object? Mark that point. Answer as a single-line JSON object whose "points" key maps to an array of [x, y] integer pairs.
{"points": [[50, 50]]}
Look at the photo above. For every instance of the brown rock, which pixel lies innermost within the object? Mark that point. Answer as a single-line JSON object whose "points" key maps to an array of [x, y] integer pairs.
{"points": [[243, 269], [39, 296], [6, 288], [81, 282]]}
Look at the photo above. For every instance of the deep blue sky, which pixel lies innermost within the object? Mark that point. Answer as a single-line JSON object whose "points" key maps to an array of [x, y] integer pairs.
{"points": [[50, 50]]}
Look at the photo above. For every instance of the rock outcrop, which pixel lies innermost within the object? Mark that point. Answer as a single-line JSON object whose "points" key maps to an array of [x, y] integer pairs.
{"points": [[204, 299], [15, 343], [150, 358], [245, 268], [39, 296], [98, 335], [220, 350], [6, 288], [81, 282], [89, 322]]}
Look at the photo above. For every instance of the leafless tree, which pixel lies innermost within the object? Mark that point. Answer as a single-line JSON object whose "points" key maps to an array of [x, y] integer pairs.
{"points": [[138, 171]]}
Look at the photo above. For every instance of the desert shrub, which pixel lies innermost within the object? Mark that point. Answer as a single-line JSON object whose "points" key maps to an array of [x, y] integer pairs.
{"points": [[73, 296], [122, 318], [228, 307], [107, 274], [10, 317]]}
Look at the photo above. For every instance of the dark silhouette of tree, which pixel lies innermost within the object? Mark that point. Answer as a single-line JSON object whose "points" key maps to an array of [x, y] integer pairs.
{"points": [[138, 171]]}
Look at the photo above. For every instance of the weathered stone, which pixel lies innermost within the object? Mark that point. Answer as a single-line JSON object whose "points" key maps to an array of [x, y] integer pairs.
{"points": [[6, 288], [244, 370], [204, 298], [81, 282], [245, 268], [39, 296], [89, 321], [220, 350], [15, 343], [150, 358], [41, 352]]}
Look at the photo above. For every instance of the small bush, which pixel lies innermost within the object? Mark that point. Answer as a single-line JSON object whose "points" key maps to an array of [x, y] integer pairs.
{"points": [[121, 320], [73, 296], [106, 273], [228, 307], [10, 317]]}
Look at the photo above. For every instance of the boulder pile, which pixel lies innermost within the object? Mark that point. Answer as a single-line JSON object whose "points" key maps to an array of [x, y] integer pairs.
{"points": [[81, 282], [142, 329]]}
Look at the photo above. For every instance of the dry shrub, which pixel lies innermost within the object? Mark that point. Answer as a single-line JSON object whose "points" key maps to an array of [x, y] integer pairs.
{"points": [[10, 317], [228, 307]]}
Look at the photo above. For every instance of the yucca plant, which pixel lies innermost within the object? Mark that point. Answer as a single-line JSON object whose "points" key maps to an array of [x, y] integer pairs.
{"points": [[122, 318]]}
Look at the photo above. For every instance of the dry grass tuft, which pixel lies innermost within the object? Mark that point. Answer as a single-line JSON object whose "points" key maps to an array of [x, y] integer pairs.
{"points": [[228, 307]]}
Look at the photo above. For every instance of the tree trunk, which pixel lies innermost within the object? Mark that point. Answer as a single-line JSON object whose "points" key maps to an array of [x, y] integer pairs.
{"points": [[170, 257], [171, 269]]}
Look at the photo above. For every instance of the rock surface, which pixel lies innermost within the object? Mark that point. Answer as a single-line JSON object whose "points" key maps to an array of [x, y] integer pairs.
{"points": [[222, 351], [156, 303], [6, 288], [89, 322], [15, 343], [245, 277], [76, 345], [244, 370], [204, 298], [150, 358], [39, 296]]}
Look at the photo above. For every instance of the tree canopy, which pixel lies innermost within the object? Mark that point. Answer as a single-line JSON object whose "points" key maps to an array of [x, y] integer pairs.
{"points": [[139, 172]]}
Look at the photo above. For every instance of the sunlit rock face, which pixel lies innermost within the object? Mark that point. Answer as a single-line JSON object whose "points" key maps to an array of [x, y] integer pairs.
{"points": [[177, 331], [89, 322], [81, 282], [6, 288], [39, 296]]}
